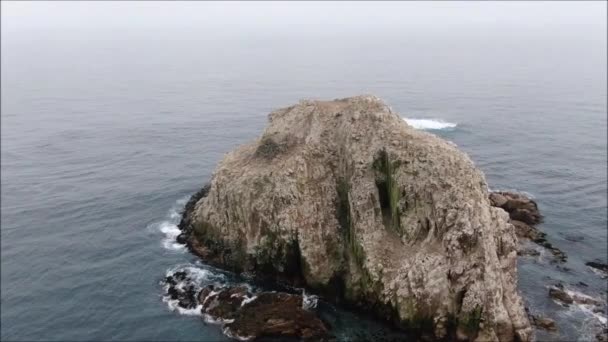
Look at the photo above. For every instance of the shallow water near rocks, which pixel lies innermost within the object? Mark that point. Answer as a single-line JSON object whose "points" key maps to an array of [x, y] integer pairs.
{"points": [[104, 139]]}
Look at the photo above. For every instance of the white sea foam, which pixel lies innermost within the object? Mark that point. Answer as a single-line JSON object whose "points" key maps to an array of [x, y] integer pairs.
{"points": [[600, 273], [171, 232], [309, 302], [586, 309], [168, 227], [430, 124], [248, 300], [173, 306], [197, 274], [213, 320], [589, 329], [229, 333]]}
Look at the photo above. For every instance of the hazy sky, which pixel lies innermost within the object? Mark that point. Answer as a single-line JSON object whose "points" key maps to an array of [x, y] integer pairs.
{"points": [[243, 17]]}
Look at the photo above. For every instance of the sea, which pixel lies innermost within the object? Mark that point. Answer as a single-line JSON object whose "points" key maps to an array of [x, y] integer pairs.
{"points": [[106, 133]]}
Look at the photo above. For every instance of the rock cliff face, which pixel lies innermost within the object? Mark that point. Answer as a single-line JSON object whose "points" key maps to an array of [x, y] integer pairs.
{"points": [[345, 198]]}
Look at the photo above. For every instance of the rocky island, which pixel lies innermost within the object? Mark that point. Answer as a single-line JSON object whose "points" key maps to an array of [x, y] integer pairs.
{"points": [[345, 199]]}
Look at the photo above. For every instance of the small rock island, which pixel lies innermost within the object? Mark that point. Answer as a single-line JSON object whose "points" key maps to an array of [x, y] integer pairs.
{"points": [[343, 198]]}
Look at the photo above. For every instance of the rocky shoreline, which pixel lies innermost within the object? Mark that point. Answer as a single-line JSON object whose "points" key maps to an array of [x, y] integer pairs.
{"points": [[343, 198], [245, 315], [524, 216], [227, 300], [599, 268]]}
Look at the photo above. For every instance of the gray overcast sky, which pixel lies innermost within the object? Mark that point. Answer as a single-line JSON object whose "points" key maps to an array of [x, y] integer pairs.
{"points": [[313, 17]]}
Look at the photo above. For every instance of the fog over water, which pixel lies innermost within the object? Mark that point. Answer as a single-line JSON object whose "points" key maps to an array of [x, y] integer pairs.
{"points": [[114, 113]]}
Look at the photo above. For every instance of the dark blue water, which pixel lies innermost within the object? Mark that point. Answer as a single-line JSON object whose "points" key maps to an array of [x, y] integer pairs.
{"points": [[104, 133]]}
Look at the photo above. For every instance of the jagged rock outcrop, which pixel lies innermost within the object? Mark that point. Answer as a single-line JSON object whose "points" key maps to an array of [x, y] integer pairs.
{"points": [[543, 323], [247, 315], [276, 314], [566, 297], [519, 207], [345, 198], [598, 267], [524, 215]]}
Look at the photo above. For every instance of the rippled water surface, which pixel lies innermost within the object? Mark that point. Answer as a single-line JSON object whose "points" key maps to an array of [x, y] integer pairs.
{"points": [[104, 136]]}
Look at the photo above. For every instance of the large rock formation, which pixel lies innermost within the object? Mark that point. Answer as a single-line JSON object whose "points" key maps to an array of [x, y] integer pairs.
{"points": [[345, 198]]}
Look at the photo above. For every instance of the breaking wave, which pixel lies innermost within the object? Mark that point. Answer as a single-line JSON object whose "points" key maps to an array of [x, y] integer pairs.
{"points": [[430, 124], [588, 309], [194, 276], [168, 226]]}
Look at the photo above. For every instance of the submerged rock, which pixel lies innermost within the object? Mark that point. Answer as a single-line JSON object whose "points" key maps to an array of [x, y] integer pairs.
{"points": [[565, 296], [543, 323], [598, 267], [345, 198], [573, 237], [560, 295], [528, 251], [602, 336]]}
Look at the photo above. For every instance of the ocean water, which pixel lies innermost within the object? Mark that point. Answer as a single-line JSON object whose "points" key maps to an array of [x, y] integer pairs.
{"points": [[105, 134]]}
